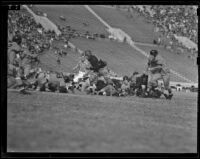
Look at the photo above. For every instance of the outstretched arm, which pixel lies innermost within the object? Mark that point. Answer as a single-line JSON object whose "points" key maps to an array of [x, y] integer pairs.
{"points": [[155, 68], [76, 67], [146, 69]]}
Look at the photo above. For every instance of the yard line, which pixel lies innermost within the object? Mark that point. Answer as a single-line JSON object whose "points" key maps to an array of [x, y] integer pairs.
{"points": [[146, 44], [97, 16]]}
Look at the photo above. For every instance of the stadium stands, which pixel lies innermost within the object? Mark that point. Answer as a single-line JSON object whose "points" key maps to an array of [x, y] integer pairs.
{"points": [[179, 20]]}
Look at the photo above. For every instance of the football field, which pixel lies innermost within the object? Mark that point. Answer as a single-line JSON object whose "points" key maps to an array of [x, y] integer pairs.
{"points": [[52, 122]]}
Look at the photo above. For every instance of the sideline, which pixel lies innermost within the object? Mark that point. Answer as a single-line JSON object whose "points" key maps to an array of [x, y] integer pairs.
{"points": [[117, 99]]}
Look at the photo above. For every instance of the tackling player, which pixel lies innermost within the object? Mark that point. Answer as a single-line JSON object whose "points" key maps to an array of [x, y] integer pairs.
{"points": [[157, 69]]}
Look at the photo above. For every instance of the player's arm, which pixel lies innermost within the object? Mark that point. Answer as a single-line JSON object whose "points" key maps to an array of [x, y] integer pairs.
{"points": [[155, 68], [159, 64], [147, 66], [76, 67]]}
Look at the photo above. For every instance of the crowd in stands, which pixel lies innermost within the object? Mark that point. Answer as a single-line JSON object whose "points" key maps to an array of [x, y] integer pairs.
{"points": [[170, 21], [26, 32], [34, 39]]}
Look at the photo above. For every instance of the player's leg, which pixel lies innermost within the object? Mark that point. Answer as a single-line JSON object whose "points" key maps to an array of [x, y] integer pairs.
{"points": [[166, 82], [85, 85], [153, 81]]}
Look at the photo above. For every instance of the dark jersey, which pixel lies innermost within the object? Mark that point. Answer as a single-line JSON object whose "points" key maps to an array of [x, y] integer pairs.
{"points": [[153, 63], [18, 39], [94, 62], [158, 61]]}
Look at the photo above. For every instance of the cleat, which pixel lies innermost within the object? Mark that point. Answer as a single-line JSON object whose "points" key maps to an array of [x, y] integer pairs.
{"points": [[23, 91], [47, 90], [166, 96], [146, 94], [170, 96], [37, 89]]}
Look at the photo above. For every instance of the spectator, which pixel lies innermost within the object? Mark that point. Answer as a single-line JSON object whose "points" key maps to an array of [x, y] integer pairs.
{"points": [[58, 60], [92, 59], [171, 20]]}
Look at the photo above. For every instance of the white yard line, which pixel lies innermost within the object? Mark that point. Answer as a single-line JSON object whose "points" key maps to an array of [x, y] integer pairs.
{"points": [[146, 44], [132, 43], [105, 6], [98, 17]]}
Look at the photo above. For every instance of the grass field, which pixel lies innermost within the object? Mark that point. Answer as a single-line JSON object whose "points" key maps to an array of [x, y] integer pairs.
{"points": [[50, 122]]}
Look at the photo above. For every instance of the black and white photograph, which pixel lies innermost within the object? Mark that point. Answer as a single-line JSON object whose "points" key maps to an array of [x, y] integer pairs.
{"points": [[102, 78]]}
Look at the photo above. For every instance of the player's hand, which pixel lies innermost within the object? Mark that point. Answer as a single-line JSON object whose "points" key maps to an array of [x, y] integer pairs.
{"points": [[150, 69], [145, 72]]}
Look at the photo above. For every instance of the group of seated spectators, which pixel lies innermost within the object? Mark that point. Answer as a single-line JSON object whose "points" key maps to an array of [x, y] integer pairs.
{"points": [[171, 20], [34, 39], [23, 30], [73, 33], [31, 37]]}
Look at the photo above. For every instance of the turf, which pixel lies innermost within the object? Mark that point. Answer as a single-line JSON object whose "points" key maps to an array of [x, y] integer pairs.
{"points": [[50, 122]]}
